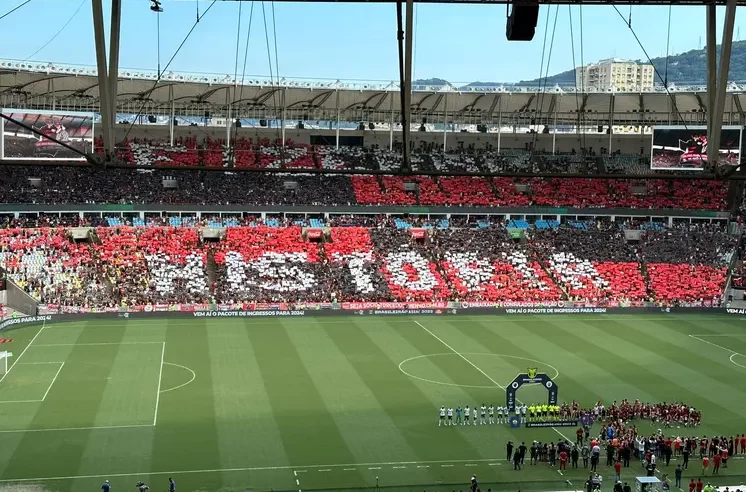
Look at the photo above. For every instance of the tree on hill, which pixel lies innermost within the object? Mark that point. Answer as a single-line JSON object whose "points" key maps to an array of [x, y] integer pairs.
{"points": [[689, 68]]}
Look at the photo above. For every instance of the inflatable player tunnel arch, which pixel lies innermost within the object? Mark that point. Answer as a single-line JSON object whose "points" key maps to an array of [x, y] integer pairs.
{"points": [[531, 377]]}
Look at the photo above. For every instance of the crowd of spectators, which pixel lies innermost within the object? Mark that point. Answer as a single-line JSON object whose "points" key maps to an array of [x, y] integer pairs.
{"points": [[368, 259], [56, 185]]}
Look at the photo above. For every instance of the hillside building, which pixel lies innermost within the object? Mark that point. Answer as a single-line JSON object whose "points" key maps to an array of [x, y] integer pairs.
{"points": [[623, 75]]}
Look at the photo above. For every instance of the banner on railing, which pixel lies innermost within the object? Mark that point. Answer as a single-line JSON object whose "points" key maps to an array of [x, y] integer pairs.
{"points": [[356, 306], [512, 307]]}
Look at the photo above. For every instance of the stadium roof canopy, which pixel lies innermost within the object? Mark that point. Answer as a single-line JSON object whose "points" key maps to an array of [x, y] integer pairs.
{"points": [[59, 87]]}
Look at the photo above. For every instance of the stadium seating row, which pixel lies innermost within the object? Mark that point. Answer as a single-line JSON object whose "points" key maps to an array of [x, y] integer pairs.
{"points": [[266, 153], [56, 185], [138, 266]]}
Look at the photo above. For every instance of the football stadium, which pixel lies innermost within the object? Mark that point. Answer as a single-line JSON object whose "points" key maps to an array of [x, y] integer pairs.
{"points": [[224, 282]]}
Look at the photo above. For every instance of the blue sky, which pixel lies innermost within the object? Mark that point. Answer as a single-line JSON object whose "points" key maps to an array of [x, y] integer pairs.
{"points": [[460, 43]]}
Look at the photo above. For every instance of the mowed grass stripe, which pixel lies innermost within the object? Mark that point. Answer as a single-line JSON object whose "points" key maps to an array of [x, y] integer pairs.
{"points": [[727, 337], [477, 442], [447, 375], [707, 381], [522, 339], [243, 411], [404, 402], [301, 414], [485, 336], [186, 434], [76, 397], [129, 398], [364, 422], [11, 415], [599, 370], [627, 363]]}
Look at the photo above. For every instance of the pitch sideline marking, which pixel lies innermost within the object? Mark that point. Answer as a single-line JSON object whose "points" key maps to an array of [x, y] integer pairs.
{"points": [[160, 378], [43, 325], [301, 469], [468, 353], [194, 376], [733, 353], [477, 368]]}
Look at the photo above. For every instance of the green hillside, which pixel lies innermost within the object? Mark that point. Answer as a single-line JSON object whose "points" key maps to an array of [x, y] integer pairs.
{"points": [[689, 68]]}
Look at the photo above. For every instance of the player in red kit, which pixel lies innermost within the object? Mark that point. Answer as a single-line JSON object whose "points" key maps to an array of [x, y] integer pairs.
{"points": [[716, 463], [563, 460], [705, 464]]}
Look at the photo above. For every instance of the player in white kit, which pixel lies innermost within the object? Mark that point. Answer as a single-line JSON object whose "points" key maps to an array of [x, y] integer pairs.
{"points": [[442, 419], [483, 414], [450, 416], [466, 415], [499, 415], [491, 411]]}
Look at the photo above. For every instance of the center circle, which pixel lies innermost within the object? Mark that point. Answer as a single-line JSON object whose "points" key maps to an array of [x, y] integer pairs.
{"points": [[735, 355], [410, 374]]}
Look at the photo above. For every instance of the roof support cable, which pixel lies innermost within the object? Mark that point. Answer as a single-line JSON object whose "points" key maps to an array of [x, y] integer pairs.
{"points": [[6, 14], [57, 33], [583, 135], [275, 85], [655, 69], [668, 44], [158, 41], [231, 144], [146, 94], [574, 69], [542, 95]]}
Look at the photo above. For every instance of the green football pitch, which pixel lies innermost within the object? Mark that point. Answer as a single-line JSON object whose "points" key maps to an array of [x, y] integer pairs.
{"points": [[338, 402]]}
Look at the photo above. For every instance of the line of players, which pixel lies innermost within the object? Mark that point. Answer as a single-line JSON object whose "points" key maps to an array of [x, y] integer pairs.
{"points": [[484, 415]]}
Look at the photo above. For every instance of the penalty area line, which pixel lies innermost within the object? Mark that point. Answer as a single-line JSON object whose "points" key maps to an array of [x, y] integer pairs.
{"points": [[66, 429], [160, 378]]}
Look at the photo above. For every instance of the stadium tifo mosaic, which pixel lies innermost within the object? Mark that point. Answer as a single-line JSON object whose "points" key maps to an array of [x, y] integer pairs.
{"points": [[173, 265]]}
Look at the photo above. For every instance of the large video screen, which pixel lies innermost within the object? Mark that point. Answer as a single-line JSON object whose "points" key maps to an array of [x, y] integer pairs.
{"points": [[676, 148], [74, 129]]}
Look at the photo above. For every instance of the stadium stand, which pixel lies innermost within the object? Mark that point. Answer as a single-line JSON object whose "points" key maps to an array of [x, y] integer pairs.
{"points": [[64, 185], [377, 259]]}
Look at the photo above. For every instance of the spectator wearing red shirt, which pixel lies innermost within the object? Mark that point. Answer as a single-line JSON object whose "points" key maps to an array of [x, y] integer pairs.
{"points": [[743, 443]]}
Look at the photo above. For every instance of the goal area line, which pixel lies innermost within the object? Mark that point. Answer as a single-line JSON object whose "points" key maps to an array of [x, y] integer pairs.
{"points": [[18, 362]]}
